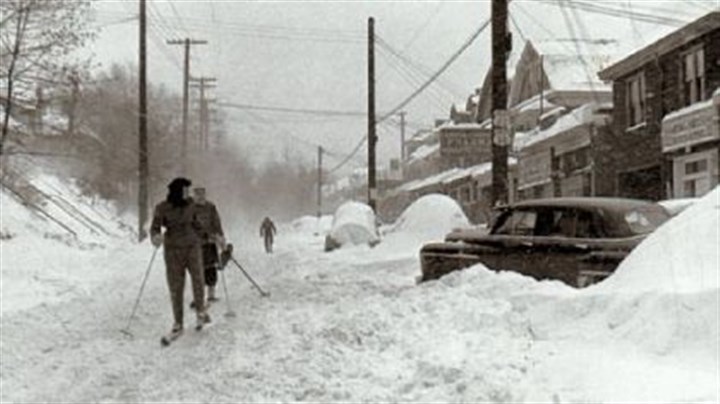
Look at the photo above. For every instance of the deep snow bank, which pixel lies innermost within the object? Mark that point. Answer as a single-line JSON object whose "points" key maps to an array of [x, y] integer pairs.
{"points": [[353, 224], [429, 218], [680, 257], [432, 216], [41, 260]]}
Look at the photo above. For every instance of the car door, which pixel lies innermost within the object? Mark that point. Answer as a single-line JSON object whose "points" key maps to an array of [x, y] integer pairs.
{"points": [[515, 238], [570, 237]]}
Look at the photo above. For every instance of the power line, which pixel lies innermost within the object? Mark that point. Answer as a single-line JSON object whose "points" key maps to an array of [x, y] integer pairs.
{"points": [[182, 24], [411, 77], [620, 13], [442, 69], [288, 134], [323, 112], [412, 96], [414, 66]]}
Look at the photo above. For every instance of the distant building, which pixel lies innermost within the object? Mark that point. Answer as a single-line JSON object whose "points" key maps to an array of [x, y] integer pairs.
{"points": [[665, 138], [558, 105]]}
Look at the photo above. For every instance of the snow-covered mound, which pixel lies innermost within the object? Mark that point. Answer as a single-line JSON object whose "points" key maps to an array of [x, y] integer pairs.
{"points": [[432, 215], [353, 224], [680, 257]]}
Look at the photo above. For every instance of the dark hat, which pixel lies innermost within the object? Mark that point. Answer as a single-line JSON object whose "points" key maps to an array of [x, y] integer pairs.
{"points": [[179, 183]]}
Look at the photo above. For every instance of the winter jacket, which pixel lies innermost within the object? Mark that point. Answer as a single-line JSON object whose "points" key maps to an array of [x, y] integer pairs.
{"points": [[267, 229], [183, 227], [210, 220]]}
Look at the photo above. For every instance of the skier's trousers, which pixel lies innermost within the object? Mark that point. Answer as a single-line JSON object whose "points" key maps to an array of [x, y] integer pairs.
{"points": [[178, 259], [211, 261]]}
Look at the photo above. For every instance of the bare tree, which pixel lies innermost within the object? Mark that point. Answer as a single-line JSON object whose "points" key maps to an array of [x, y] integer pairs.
{"points": [[37, 38]]}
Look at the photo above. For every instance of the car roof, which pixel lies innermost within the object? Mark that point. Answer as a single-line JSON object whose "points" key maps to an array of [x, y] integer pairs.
{"points": [[606, 203]]}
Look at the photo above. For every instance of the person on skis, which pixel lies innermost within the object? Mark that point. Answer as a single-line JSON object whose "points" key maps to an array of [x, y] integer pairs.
{"points": [[178, 215], [267, 230], [212, 238]]}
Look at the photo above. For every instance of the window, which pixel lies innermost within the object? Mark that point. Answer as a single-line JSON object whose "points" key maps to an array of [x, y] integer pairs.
{"points": [[695, 174], [636, 100], [696, 166], [521, 223], [693, 76]]}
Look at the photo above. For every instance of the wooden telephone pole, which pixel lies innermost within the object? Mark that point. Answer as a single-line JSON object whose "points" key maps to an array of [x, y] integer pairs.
{"points": [[319, 182], [501, 44], [372, 136], [143, 170], [203, 133], [186, 80]]}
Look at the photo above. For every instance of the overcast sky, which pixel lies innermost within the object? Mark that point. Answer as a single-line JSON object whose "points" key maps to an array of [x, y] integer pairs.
{"points": [[313, 55]]}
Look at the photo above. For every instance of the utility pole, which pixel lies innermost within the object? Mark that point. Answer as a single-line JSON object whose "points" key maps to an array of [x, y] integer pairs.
{"points": [[143, 170], [501, 43], [372, 136], [319, 183], [203, 83], [186, 80], [402, 135]]}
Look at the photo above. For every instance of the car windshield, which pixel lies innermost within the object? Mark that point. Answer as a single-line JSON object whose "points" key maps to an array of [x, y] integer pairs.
{"points": [[645, 219]]}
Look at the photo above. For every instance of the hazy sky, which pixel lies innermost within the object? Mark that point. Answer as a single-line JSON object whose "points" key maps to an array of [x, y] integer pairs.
{"points": [[313, 55]]}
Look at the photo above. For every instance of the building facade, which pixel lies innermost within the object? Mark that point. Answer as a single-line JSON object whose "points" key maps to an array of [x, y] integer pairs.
{"points": [[663, 141]]}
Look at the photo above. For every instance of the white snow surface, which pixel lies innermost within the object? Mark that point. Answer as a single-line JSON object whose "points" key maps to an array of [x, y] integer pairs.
{"points": [[353, 224], [433, 215], [312, 224], [660, 263], [353, 326]]}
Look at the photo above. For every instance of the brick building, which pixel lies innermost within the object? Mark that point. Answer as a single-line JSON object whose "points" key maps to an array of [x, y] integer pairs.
{"points": [[663, 143]]}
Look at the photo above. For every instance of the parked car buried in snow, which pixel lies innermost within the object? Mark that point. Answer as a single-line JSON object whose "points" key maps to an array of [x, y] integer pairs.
{"points": [[578, 241]]}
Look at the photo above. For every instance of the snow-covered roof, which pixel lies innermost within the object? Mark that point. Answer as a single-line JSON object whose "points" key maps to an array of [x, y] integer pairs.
{"points": [[425, 151], [573, 65], [533, 103], [473, 171], [423, 182], [659, 42], [578, 117], [461, 126], [421, 136], [689, 109]]}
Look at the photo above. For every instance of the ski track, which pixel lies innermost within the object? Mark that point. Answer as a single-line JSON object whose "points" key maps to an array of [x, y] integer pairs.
{"points": [[326, 333]]}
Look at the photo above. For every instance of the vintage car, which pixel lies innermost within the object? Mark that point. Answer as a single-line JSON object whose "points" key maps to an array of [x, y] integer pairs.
{"points": [[578, 241]]}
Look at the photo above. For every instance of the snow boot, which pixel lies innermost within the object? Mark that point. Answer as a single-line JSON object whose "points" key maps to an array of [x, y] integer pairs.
{"points": [[174, 334], [202, 320]]}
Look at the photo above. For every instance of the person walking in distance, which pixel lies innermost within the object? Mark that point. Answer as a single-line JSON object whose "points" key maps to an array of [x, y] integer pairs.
{"points": [[212, 238], [179, 217], [267, 230]]}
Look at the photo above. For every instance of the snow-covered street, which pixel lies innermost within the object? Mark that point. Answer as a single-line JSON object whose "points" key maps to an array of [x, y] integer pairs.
{"points": [[350, 325]]}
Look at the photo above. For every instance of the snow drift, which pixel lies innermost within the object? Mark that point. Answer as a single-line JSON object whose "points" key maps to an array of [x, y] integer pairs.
{"points": [[353, 224], [432, 216], [680, 257]]}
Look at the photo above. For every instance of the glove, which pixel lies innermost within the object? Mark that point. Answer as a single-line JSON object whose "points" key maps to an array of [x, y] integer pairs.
{"points": [[157, 240]]}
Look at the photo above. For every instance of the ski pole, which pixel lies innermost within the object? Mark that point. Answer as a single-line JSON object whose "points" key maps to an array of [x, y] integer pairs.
{"points": [[229, 313], [262, 292], [126, 330]]}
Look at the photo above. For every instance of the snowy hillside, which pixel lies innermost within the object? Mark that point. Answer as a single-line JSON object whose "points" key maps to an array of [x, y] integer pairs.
{"points": [[353, 326]]}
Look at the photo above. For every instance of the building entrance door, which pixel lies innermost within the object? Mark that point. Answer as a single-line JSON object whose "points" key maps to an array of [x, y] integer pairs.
{"points": [[695, 174]]}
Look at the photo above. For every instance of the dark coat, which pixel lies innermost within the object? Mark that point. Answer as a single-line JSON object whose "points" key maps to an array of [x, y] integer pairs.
{"points": [[210, 220], [183, 227]]}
